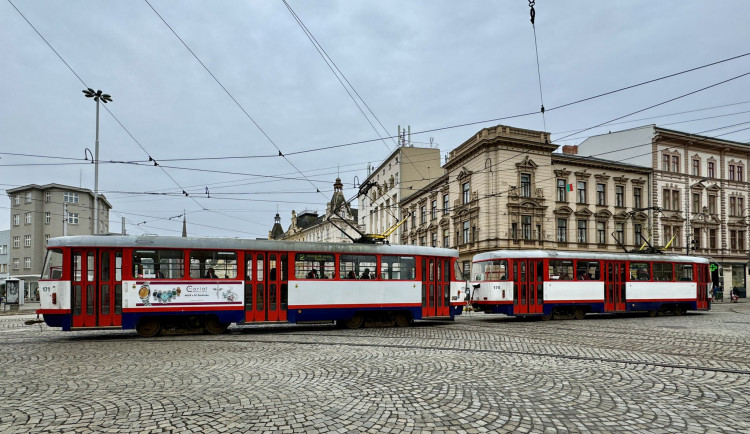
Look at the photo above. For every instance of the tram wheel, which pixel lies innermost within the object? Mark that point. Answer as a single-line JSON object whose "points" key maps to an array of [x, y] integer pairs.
{"points": [[578, 313], [214, 326], [355, 322], [148, 327], [403, 319], [546, 317], [678, 310]]}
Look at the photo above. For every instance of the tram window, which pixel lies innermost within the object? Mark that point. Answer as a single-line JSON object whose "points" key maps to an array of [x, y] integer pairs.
{"points": [[560, 270], [398, 268], [587, 270], [356, 266], [77, 266], [118, 266], [686, 272], [53, 265], [640, 271], [490, 270], [104, 267], [314, 266], [224, 264], [458, 272], [158, 264], [90, 261], [259, 268], [663, 271]]}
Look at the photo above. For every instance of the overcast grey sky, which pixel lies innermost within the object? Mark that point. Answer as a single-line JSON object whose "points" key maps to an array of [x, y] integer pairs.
{"points": [[427, 64]]}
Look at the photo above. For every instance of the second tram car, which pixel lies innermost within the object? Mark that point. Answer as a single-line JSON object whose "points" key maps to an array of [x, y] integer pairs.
{"points": [[543, 283], [151, 283]]}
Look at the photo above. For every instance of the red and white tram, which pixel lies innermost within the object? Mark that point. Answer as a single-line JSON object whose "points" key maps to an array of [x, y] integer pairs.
{"points": [[153, 282], [543, 283]]}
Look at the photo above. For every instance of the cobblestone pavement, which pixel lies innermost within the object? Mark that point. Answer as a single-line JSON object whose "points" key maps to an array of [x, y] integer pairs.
{"points": [[479, 374]]}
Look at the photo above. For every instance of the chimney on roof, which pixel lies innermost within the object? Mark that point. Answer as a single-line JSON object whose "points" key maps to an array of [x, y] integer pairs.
{"points": [[570, 149]]}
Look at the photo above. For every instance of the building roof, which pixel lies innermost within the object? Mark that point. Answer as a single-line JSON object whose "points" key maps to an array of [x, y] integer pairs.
{"points": [[54, 186]]}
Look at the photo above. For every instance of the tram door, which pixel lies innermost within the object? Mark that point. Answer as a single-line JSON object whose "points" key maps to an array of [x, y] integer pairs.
{"points": [[704, 282], [528, 286], [435, 287], [266, 286], [614, 287], [96, 288]]}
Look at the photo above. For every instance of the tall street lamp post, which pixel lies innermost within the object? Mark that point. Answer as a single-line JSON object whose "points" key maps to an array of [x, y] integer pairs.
{"points": [[105, 98]]}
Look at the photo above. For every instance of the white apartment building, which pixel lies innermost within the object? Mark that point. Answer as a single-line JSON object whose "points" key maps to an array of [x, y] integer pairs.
{"points": [[700, 187]]}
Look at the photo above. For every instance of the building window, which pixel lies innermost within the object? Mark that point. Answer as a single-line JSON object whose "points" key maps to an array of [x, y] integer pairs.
{"points": [[711, 172], [740, 170], [601, 194], [665, 163], [601, 235], [637, 231], [434, 239], [526, 227], [28, 197], [434, 210], [731, 172], [733, 206], [15, 263], [17, 199], [675, 164], [671, 199], [562, 230], [465, 192], [27, 263], [46, 239], [672, 233], [47, 217], [446, 207], [712, 204], [413, 220], [525, 185], [619, 195], [27, 240], [696, 204], [562, 187], [73, 218], [581, 192], [637, 197], [27, 218], [422, 241], [620, 232], [47, 197], [712, 238], [70, 197], [16, 219], [17, 241], [423, 214], [446, 239], [696, 167], [581, 231], [466, 232]]}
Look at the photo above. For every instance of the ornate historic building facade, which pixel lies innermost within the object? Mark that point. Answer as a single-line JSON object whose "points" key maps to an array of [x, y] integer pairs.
{"points": [[506, 188]]}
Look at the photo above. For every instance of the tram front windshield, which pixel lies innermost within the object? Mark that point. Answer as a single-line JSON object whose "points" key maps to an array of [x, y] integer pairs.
{"points": [[53, 265]]}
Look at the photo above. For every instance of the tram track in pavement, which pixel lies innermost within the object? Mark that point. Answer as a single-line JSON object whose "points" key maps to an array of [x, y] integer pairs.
{"points": [[460, 350]]}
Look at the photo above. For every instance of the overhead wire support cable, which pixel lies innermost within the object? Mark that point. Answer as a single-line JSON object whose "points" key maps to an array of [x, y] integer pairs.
{"points": [[532, 12], [237, 103]]}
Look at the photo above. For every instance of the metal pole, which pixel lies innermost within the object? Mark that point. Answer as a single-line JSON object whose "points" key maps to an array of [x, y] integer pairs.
{"points": [[96, 173]]}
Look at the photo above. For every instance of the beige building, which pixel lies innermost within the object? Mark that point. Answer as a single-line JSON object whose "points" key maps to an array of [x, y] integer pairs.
{"points": [[406, 170], [700, 185], [38, 213], [334, 227], [506, 188]]}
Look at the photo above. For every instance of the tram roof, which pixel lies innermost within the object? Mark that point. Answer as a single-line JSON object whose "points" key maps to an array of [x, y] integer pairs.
{"points": [[561, 254], [166, 242]]}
